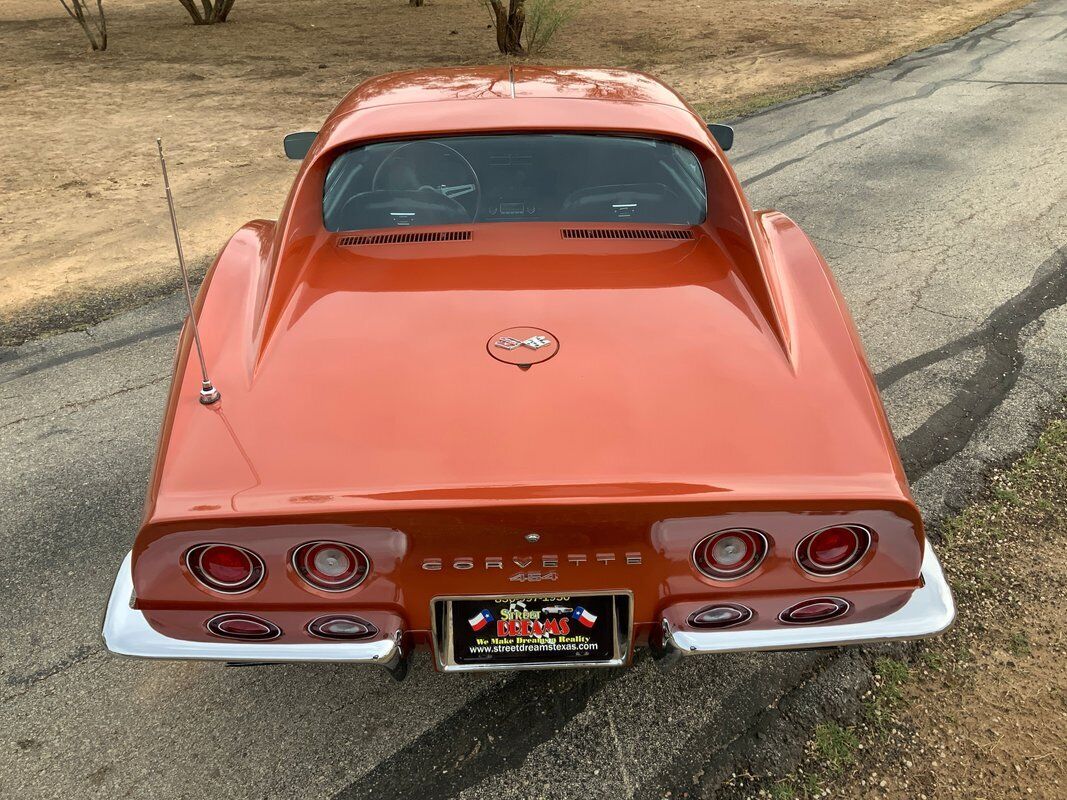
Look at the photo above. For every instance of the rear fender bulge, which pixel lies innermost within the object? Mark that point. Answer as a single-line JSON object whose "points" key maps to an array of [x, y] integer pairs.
{"points": [[226, 307], [824, 327]]}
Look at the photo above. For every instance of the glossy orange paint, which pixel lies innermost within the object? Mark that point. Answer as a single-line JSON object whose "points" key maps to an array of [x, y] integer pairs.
{"points": [[700, 384]]}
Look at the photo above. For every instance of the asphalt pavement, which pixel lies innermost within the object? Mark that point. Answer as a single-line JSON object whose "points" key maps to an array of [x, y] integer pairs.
{"points": [[935, 188]]}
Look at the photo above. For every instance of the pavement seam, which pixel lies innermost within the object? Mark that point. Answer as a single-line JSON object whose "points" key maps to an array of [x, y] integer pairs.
{"points": [[969, 41], [83, 404], [27, 682]]}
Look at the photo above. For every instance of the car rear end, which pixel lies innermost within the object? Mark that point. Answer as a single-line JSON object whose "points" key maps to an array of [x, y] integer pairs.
{"points": [[562, 583], [694, 456]]}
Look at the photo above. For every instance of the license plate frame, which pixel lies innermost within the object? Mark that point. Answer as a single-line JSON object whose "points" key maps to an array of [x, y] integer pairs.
{"points": [[613, 644]]}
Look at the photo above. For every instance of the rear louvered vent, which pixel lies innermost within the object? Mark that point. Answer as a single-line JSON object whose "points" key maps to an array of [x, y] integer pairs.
{"points": [[405, 238], [625, 233]]}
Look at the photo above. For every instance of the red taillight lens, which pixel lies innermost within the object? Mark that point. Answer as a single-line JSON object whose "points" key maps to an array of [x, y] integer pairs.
{"points": [[833, 550], [331, 566], [725, 615], [224, 567], [820, 609], [341, 626], [730, 554], [243, 626]]}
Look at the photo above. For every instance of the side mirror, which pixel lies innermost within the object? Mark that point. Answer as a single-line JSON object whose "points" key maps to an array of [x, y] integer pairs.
{"points": [[298, 144], [723, 134]]}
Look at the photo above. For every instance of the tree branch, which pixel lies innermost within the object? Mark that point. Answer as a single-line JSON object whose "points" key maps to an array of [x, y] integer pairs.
{"points": [[94, 28], [194, 12]]}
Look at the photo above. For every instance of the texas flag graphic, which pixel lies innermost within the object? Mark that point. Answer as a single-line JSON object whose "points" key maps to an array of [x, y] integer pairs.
{"points": [[584, 617], [480, 620]]}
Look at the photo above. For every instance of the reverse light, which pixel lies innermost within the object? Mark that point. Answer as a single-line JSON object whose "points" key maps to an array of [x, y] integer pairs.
{"points": [[331, 566], [243, 626], [225, 567], [341, 626], [730, 554], [834, 550], [820, 609], [724, 615]]}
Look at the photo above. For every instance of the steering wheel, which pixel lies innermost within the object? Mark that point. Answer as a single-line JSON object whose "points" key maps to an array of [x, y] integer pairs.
{"points": [[469, 195]]}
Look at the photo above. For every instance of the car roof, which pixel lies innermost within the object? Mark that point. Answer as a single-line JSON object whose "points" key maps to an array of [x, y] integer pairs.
{"points": [[474, 100], [504, 82]]}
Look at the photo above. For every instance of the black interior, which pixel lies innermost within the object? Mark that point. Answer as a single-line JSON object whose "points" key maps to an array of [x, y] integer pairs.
{"points": [[516, 177]]}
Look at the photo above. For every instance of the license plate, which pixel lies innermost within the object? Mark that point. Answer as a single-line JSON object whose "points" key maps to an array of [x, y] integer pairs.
{"points": [[534, 631]]}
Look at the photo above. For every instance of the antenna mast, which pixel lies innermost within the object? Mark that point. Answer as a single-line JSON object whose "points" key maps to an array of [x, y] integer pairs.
{"points": [[208, 393]]}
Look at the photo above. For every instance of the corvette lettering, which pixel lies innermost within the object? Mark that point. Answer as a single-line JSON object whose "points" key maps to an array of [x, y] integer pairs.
{"points": [[550, 562]]}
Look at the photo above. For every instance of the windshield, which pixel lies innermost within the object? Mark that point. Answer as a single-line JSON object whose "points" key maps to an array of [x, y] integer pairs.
{"points": [[516, 177]]}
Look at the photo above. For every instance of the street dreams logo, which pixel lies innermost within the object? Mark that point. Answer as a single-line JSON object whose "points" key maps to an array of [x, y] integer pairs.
{"points": [[520, 622], [533, 629]]}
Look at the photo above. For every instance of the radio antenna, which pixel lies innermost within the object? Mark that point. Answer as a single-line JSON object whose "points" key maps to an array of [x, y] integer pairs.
{"points": [[208, 393]]}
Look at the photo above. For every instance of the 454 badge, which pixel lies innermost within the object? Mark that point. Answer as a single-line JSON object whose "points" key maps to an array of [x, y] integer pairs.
{"points": [[534, 630]]}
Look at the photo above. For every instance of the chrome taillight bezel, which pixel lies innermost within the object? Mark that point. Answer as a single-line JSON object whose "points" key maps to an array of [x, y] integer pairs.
{"points": [[843, 606], [212, 625], [745, 614], [194, 558], [296, 561], [761, 546], [864, 541], [314, 628]]}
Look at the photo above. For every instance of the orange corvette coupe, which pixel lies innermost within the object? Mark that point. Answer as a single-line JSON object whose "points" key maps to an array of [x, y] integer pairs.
{"points": [[519, 377]]}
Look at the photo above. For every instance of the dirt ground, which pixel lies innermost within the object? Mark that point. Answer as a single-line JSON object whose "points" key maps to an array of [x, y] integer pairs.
{"points": [[981, 713], [984, 711], [84, 226]]}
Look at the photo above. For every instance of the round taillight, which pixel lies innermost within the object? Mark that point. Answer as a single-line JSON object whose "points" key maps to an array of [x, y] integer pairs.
{"points": [[724, 615], [819, 609], [243, 626], [225, 568], [834, 550], [341, 626], [331, 566], [730, 554]]}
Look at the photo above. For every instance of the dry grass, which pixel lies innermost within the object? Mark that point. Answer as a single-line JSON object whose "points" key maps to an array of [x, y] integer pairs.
{"points": [[79, 193]]}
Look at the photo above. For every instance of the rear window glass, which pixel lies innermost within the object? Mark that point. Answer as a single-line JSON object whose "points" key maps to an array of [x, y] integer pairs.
{"points": [[457, 180]]}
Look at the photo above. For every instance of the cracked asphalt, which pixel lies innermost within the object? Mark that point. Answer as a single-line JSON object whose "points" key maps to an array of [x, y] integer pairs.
{"points": [[935, 188]]}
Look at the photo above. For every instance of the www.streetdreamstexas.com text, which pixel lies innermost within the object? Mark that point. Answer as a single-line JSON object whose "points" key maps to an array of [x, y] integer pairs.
{"points": [[569, 644]]}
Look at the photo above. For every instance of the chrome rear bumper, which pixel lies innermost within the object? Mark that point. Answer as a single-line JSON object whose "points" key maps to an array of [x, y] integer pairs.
{"points": [[128, 633], [929, 611]]}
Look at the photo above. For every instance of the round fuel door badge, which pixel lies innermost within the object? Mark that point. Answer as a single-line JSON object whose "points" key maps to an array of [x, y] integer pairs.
{"points": [[522, 347]]}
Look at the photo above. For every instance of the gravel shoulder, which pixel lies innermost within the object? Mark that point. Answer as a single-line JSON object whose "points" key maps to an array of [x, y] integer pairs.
{"points": [[982, 711]]}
